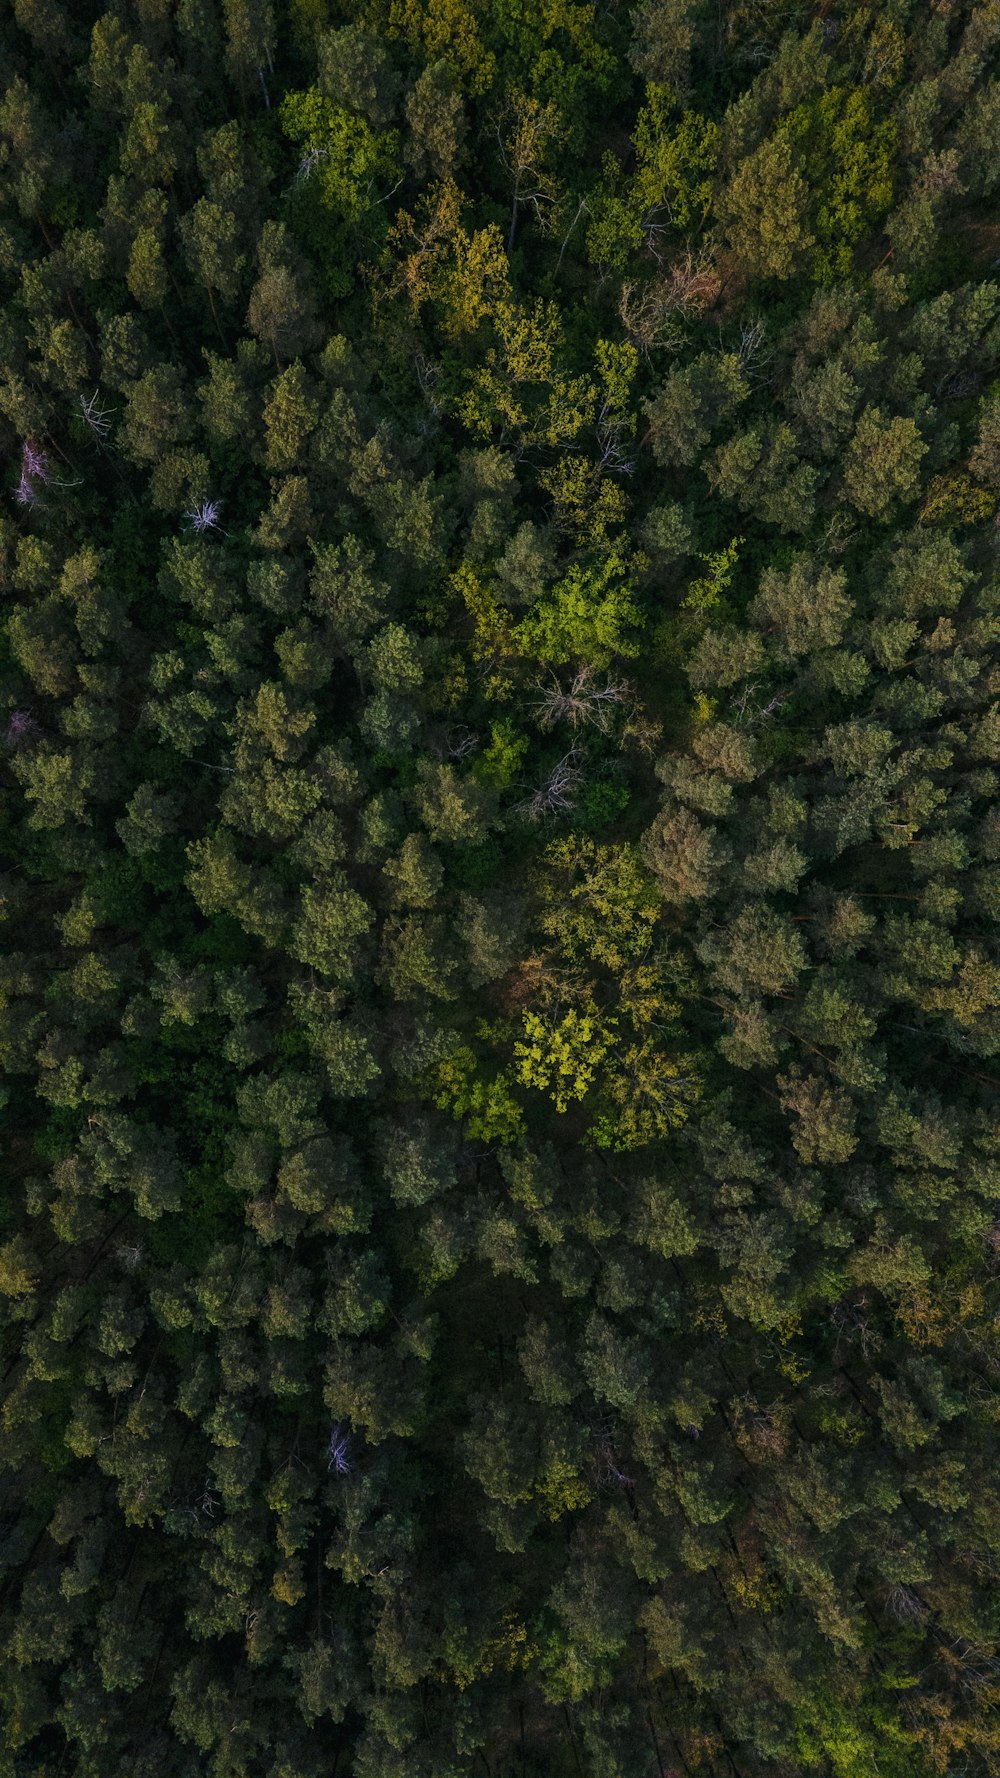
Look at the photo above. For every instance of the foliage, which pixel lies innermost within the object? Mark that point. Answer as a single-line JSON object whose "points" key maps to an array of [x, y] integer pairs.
{"points": [[561, 1057], [499, 993]]}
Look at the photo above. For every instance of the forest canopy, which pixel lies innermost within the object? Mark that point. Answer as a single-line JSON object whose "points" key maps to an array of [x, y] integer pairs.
{"points": [[499, 878]]}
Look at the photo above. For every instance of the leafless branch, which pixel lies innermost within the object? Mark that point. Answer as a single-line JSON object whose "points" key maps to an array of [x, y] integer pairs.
{"points": [[95, 415], [558, 793], [583, 702], [652, 314]]}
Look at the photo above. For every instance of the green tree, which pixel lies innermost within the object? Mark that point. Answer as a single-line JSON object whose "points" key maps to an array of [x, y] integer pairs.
{"points": [[883, 461], [807, 606], [692, 403], [763, 212], [436, 120], [661, 45]]}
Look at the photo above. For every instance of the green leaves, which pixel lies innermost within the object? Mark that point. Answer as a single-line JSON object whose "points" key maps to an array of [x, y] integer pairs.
{"points": [[591, 615], [845, 150], [333, 918], [561, 1058], [764, 211], [498, 1251], [345, 173], [347, 158], [883, 461]]}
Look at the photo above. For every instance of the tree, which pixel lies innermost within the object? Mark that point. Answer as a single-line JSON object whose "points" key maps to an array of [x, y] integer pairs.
{"points": [[985, 459], [332, 920], [685, 855], [392, 660], [531, 129], [761, 470], [146, 276], [158, 415], [355, 67], [760, 949], [149, 151], [282, 310], [290, 414], [650, 1092], [416, 873], [436, 120], [344, 593], [250, 41], [490, 929], [824, 1130], [590, 615], [561, 1057], [597, 903], [725, 656], [661, 44], [452, 808], [692, 403], [210, 235], [883, 461], [808, 608], [762, 211], [344, 159]]}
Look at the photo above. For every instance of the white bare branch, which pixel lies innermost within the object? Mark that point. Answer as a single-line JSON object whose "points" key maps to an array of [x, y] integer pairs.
{"points": [[558, 793]]}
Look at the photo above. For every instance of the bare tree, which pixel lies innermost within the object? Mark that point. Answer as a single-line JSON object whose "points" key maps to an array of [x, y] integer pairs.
{"points": [[652, 314], [614, 438], [95, 415], [581, 210], [309, 162], [583, 702], [36, 472], [454, 743], [427, 372], [22, 729], [752, 347], [749, 710], [205, 516], [558, 793], [606, 1461], [903, 1605], [338, 1449]]}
